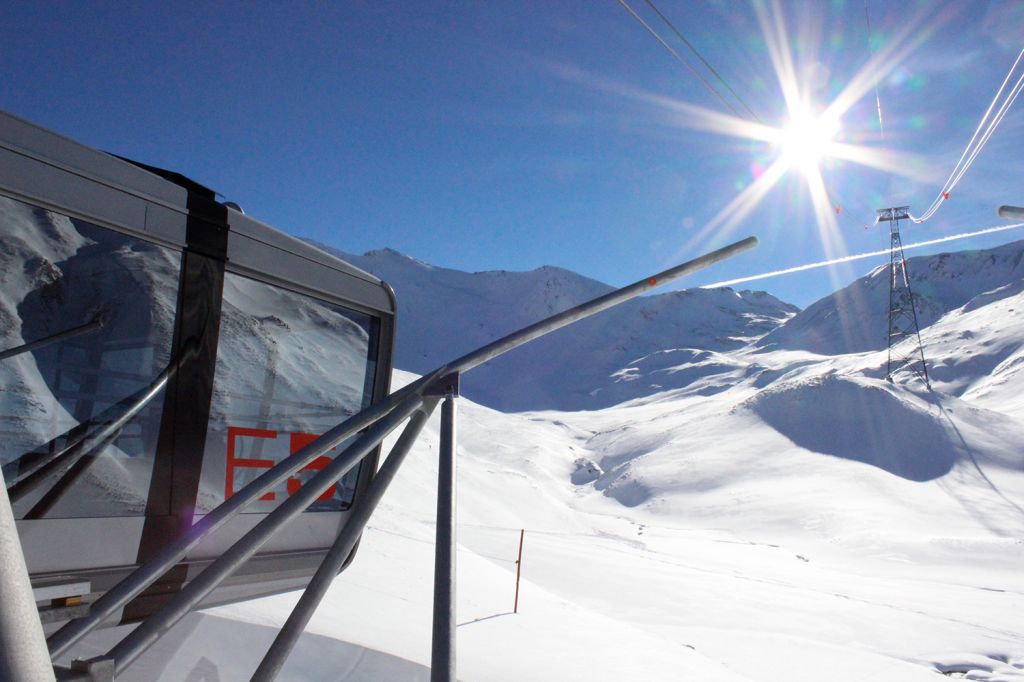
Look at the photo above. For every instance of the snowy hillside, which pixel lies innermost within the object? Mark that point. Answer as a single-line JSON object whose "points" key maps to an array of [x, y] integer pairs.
{"points": [[444, 313], [667, 342], [852, 319], [753, 535], [774, 515]]}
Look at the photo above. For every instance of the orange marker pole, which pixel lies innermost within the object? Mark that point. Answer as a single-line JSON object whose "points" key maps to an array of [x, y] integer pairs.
{"points": [[519, 569]]}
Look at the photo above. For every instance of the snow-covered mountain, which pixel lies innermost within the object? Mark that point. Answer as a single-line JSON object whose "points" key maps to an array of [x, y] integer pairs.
{"points": [[757, 503], [665, 342], [627, 352], [853, 319]]}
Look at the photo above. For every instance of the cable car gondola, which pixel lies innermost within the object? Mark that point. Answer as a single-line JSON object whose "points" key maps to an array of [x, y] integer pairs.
{"points": [[158, 350]]}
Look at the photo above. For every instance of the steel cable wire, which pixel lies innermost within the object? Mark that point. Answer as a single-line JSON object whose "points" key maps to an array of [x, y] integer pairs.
{"points": [[696, 52], [679, 58], [976, 143]]}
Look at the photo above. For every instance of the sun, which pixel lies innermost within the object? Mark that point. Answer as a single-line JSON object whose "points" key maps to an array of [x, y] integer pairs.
{"points": [[807, 140], [811, 135]]}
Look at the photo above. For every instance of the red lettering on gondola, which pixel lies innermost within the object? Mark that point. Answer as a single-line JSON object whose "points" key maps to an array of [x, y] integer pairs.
{"points": [[296, 441]]}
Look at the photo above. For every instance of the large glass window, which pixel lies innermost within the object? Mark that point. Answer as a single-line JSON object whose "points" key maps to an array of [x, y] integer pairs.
{"points": [[289, 367], [86, 324]]}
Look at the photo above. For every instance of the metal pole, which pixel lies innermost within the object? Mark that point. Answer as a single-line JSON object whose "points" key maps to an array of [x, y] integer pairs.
{"points": [[442, 657], [97, 322], [1011, 212], [23, 654], [519, 569], [131, 586], [141, 578], [150, 630], [276, 656]]}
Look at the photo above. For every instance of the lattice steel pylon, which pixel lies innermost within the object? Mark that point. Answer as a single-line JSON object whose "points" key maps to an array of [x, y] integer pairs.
{"points": [[905, 348]]}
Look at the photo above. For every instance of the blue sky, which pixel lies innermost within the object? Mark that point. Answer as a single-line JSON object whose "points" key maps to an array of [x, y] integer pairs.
{"points": [[508, 135]]}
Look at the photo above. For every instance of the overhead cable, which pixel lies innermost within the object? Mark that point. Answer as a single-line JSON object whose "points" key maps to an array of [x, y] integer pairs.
{"points": [[839, 206], [871, 55], [696, 52], [859, 256], [679, 58], [979, 139]]}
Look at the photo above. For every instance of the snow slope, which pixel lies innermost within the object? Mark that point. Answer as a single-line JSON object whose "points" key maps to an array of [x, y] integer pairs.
{"points": [[770, 513], [444, 313], [726, 537], [849, 320]]}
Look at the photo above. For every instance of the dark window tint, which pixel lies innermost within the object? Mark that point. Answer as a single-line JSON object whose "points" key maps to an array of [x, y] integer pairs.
{"points": [[289, 367], [86, 323]]}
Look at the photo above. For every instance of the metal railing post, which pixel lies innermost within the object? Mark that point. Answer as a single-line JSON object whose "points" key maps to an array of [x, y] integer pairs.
{"points": [[23, 653], [442, 655], [380, 418], [151, 629], [290, 632], [1011, 212]]}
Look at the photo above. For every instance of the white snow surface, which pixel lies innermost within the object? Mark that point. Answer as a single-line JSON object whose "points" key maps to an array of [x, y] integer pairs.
{"points": [[848, 321], [443, 313], [775, 514]]}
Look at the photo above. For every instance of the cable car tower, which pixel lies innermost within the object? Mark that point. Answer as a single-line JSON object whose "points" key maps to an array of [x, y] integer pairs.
{"points": [[905, 349]]}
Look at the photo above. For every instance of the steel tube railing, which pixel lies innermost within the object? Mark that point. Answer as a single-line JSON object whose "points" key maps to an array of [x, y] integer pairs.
{"points": [[23, 653], [105, 429], [150, 630], [1011, 212], [35, 466], [96, 322], [119, 595], [314, 593], [442, 648], [381, 418]]}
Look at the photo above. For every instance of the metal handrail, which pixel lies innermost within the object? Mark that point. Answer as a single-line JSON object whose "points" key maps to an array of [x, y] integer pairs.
{"points": [[380, 419], [339, 552], [84, 439], [1011, 212], [132, 585], [151, 629], [97, 321]]}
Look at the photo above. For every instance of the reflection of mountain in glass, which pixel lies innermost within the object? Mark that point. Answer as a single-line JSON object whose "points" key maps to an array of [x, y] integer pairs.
{"points": [[59, 273], [273, 340], [30, 243], [272, 343], [288, 364]]}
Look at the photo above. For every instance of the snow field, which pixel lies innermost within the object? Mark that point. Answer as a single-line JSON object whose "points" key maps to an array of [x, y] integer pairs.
{"points": [[760, 561], [759, 512]]}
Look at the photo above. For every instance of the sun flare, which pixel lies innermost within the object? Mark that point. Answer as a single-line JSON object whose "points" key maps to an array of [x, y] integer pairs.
{"points": [[813, 134], [807, 140]]}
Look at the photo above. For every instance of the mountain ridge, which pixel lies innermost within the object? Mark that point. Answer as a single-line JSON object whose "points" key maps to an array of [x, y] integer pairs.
{"points": [[852, 319], [444, 313]]}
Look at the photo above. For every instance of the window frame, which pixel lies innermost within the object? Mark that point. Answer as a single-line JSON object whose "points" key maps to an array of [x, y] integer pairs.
{"points": [[46, 170]]}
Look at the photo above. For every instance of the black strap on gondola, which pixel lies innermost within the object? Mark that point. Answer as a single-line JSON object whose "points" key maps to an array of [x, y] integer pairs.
{"points": [[174, 486]]}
